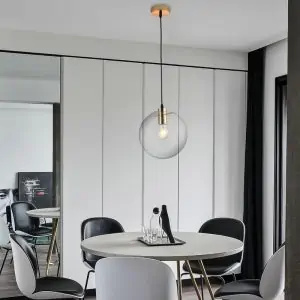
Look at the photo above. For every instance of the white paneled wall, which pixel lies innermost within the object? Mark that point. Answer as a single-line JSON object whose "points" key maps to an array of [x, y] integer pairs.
{"points": [[161, 175], [230, 139], [81, 156], [196, 159], [122, 153], [105, 171]]}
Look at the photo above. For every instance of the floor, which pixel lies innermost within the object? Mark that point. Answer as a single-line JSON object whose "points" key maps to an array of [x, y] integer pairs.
{"points": [[8, 285], [188, 294]]}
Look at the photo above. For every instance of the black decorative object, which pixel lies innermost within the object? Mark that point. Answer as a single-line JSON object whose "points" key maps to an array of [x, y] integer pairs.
{"points": [[36, 188], [165, 223]]}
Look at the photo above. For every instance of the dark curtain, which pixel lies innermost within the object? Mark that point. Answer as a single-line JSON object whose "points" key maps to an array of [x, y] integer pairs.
{"points": [[253, 184]]}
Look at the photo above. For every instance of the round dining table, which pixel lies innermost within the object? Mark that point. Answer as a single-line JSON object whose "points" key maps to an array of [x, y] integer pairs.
{"points": [[198, 246], [51, 213]]}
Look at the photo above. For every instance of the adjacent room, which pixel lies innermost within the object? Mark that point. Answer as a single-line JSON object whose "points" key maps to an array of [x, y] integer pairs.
{"points": [[143, 150]]}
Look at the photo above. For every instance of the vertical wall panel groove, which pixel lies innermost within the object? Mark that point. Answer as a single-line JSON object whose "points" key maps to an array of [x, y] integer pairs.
{"points": [[102, 136], [214, 149], [143, 152]]}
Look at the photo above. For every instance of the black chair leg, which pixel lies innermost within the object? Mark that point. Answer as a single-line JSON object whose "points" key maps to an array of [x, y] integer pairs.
{"points": [[58, 267], [87, 281], [201, 285], [58, 257], [4, 261], [35, 251], [234, 278]]}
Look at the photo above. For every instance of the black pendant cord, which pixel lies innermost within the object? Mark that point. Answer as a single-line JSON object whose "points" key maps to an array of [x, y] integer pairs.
{"points": [[161, 65]]}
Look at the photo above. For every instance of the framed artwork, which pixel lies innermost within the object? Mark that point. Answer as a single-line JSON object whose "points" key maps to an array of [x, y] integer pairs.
{"points": [[36, 187]]}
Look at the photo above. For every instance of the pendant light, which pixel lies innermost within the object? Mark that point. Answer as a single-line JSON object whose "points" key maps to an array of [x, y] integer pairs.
{"points": [[162, 134]]}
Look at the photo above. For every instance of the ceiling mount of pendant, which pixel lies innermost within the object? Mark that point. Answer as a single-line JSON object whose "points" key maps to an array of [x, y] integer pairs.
{"points": [[164, 8]]}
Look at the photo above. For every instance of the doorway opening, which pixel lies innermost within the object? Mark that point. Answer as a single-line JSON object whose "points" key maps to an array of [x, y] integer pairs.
{"points": [[280, 161]]}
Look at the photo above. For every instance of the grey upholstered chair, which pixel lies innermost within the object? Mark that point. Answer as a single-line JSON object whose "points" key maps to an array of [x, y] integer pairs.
{"points": [[26, 268], [269, 287]]}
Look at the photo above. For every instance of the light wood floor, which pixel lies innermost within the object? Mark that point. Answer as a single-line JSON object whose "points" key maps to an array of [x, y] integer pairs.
{"points": [[188, 294]]}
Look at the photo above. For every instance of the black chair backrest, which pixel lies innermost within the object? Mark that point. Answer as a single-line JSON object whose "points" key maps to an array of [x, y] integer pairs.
{"points": [[8, 214], [227, 227], [27, 250], [22, 221], [98, 226]]}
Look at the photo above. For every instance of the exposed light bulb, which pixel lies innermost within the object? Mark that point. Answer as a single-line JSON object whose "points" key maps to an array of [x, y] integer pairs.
{"points": [[163, 132]]}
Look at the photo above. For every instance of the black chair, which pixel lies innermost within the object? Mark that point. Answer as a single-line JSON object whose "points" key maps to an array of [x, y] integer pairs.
{"points": [[26, 268], [24, 224], [27, 226], [93, 227], [228, 265]]}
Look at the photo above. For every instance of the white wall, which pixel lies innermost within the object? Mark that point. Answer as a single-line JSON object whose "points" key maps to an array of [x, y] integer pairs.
{"points": [[106, 173], [29, 90], [90, 142], [26, 140], [230, 141], [29, 78], [275, 65], [81, 156]]}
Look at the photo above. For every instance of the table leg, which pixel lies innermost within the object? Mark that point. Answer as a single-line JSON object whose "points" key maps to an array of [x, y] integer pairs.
{"points": [[206, 280], [179, 285], [52, 242], [193, 280]]}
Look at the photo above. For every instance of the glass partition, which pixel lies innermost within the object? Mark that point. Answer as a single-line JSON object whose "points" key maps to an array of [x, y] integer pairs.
{"points": [[29, 161]]}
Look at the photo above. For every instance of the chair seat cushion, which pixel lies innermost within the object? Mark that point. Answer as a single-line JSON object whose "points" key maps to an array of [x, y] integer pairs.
{"points": [[59, 285], [241, 287], [40, 231], [211, 269]]}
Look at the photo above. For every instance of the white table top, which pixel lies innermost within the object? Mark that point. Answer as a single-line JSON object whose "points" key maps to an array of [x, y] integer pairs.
{"points": [[51, 212], [198, 246]]}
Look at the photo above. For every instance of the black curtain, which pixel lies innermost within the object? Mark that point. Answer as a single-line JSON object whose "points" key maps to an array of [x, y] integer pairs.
{"points": [[253, 185]]}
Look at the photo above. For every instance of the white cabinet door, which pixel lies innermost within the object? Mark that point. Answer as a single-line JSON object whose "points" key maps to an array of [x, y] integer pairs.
{"points": [[81, 156], [160, 175], [122, 152], [196, 103], [230, 138]]}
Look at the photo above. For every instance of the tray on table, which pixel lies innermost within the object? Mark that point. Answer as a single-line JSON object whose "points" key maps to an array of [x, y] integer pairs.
{"points": [[162, 242]]}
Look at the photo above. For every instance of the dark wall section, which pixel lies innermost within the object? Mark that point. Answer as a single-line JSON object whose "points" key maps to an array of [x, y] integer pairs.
{"points": [[56, 153], [293, 155]]}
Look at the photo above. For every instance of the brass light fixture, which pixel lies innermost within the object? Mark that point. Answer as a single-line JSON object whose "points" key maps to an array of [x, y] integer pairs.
{"points": [[162, 134]]}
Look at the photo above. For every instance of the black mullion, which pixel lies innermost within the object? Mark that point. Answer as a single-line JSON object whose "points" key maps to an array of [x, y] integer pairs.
{"points": [[280, 82]]}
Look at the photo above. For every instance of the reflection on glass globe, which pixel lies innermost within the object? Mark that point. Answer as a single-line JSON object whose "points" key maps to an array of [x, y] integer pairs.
{"points": [[163, 141]]}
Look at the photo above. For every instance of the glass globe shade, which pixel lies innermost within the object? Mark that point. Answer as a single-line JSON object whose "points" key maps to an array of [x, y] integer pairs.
{"points": [[163, 141]]}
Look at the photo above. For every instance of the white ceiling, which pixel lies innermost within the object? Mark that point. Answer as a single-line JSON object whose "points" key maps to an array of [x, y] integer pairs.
{"points": [[216, 24]]}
